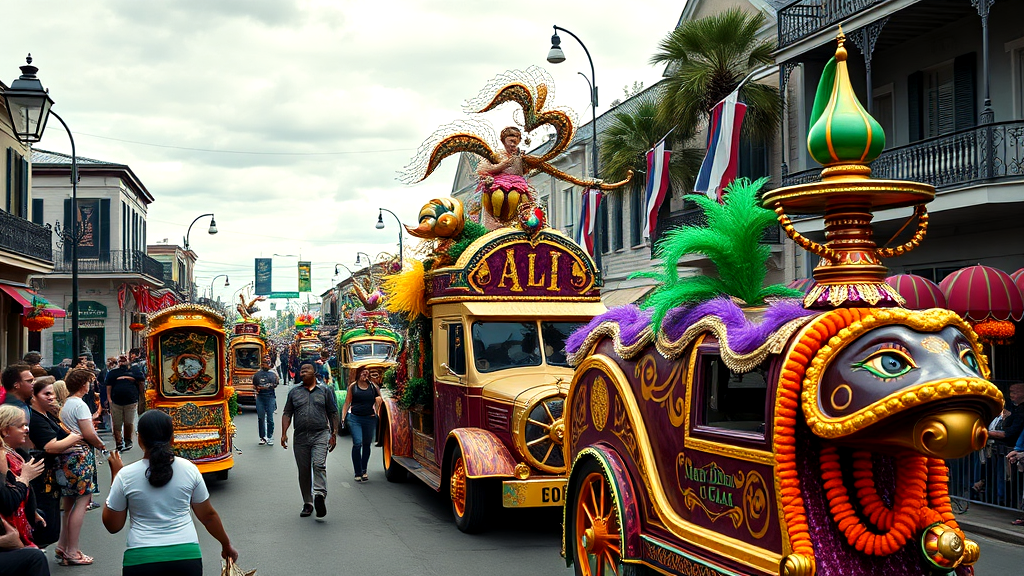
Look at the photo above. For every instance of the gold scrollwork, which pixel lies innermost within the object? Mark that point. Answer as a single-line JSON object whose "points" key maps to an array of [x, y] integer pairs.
{"points": [[662, 393], [755, 505], [599, 403], [579, 417], [482, 274]]}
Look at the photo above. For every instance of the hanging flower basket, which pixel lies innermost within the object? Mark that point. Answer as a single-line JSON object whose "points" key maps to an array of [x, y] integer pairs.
{"points": [[998, 332], [38, 322], [136, 327]]}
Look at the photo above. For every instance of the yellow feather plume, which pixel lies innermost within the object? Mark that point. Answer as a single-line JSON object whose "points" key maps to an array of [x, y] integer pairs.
{"points": [[406, 291]]}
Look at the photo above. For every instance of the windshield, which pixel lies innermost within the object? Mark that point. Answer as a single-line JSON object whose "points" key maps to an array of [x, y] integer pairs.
{"points": [[247, 358], [500, 345], [555, 334], [370, 350]]}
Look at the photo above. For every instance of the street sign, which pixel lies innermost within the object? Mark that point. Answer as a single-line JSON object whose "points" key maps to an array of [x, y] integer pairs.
{"points": [[283, 295], [264, 272]]}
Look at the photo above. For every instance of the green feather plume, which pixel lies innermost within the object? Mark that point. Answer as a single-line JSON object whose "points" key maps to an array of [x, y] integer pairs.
{"points": [[732, 241]]}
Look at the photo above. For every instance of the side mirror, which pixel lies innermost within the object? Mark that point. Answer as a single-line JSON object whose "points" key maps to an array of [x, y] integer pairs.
{"points": [[448, 370]]}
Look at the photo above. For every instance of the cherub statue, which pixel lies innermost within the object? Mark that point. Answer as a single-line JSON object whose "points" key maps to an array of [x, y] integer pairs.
{"points": [[503, 186], [247, 309]]}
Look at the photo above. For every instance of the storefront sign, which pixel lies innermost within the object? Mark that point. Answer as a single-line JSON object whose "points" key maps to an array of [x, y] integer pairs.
{"points": [[91, 309]]}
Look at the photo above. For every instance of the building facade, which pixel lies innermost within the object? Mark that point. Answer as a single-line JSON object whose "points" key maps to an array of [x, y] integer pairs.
{"points": [[179, 269], [25, 244], [112, 259]]}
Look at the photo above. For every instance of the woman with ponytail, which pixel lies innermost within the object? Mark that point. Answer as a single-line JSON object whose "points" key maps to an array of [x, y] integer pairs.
{"points": [[159, 491]]}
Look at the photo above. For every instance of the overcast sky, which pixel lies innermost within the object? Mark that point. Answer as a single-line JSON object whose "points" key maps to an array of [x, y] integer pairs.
{"points": [[289, 118]]}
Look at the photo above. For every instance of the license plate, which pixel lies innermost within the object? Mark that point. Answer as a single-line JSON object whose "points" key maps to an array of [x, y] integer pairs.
{"points": [[533, 493]]}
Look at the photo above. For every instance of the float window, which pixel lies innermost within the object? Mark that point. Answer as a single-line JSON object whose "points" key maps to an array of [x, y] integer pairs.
{"points": [[456, 349], [732, 400]]}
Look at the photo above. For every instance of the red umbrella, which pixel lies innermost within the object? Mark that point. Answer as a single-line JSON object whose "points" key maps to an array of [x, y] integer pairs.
{"points": [[802, 284], [979, 292], [1018, 279], [920, 293]]}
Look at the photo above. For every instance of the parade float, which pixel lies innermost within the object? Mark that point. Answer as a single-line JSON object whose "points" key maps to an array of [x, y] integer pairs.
{"points": [[306, 344], [187, 379], [246, 348], [729, 428], [476, 398]]}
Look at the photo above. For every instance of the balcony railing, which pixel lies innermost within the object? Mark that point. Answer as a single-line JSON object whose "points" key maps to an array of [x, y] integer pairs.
{"points": [[984, 154], [113, 262], [23, 237], [805, 17]]}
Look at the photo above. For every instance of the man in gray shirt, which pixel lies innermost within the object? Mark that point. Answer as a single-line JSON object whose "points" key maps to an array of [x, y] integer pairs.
{"points": [[315, 413]]}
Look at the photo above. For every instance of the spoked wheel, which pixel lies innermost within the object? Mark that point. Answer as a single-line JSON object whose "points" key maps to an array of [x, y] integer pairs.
{"points": [[597, 550], [393, 471], [468, 497]]}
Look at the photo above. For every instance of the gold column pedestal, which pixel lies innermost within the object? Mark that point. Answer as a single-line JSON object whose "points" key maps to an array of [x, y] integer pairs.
{"points": [[850, 272]]}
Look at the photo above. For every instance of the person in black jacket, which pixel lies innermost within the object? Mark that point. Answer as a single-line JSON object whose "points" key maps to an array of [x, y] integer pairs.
{"points": [[1013, 424]]}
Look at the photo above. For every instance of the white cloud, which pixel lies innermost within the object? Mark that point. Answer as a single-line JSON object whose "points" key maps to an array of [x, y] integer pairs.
{"points": [[334, 95]]}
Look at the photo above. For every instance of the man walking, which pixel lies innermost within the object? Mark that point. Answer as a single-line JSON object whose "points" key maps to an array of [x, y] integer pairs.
{"points": [[316, 425], [283, 366], [265, 383], [125, 385]]}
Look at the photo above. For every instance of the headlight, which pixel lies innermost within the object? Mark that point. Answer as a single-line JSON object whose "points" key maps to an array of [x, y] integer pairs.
{"points": [[540, 435]]}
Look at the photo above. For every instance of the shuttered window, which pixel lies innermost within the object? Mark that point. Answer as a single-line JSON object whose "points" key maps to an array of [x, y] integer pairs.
{"points": [[943, 99], [37, 211], [617, 218], [17, 184], [636, 213]]}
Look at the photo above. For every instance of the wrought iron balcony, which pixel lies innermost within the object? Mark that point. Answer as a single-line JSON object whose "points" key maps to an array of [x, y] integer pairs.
{"points": [[112, 262], [805, 17], [21, 236], [988, 153]]}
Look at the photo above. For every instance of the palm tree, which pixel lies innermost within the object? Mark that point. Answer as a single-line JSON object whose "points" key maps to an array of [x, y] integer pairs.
{"points": [[707, 59], [636, 127]]}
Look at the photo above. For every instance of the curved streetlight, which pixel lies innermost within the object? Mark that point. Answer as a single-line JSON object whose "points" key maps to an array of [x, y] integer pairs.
{"points": [[32, 102], [227, 282], [368, 259], [336, 272], [556, 56], [212, 230], [244, 286], [380, 226]]}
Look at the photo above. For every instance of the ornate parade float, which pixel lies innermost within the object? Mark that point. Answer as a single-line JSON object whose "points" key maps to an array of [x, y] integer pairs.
{"points": [[246, 348], [306, 345], [188, 380], [727, 429], [477, 395]]}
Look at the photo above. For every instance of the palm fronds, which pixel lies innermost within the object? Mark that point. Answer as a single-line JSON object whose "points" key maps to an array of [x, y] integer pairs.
{"points": [[732, 241]]}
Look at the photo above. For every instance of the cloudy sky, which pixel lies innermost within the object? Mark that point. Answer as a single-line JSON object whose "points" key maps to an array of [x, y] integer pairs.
{"points": [[289, 118]]}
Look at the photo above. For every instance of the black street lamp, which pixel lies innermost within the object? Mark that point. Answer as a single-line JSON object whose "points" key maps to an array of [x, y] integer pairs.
{"points": [[29, 107], [380, 226], [368, 259], [227, 282], [556, 56], [337, 272], [212, 230]]}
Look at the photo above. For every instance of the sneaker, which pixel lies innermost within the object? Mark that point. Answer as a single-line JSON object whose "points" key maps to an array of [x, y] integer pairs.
{"points": [[263, 441], [127, 446], [307, 510], [320, 503], [270, 440], [120, 447]]}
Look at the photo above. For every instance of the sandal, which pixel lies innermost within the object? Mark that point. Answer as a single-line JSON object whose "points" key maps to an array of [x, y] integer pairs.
{"points": [[81, 560], [58, 554], [1018, 522], [358, 478], [365, 478]]}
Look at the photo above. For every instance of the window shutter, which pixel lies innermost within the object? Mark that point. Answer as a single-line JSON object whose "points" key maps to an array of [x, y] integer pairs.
{"points": [[23, 185], [67, 228], [10, 167], [965, 92], [104, 230], [37, 211], [914, 105]]}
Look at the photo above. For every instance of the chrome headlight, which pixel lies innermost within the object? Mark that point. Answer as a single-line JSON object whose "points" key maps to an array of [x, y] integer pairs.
{"points": [[539, 435]]}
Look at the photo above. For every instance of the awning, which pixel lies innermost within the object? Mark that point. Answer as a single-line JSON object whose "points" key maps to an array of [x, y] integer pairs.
{"points": [[29, 299], [620, 296], [979, 292]]}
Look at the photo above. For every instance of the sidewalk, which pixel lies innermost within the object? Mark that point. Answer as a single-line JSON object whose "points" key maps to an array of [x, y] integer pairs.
{"points": [[992, 522]]}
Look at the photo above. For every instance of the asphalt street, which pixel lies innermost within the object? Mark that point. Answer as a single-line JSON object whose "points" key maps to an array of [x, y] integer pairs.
{"points": [[376, 528]]}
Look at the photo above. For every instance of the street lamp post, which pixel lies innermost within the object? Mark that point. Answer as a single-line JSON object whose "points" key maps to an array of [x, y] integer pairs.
{"points": [[556, 56], [33, 104], [227, 282], [336, 272], [212, 230], [380, 226], [369, 260]]}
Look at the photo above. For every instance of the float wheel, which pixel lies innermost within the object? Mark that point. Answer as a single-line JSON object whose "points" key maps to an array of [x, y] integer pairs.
{"points": [[597, 545], [393, 471], [468, 497]]}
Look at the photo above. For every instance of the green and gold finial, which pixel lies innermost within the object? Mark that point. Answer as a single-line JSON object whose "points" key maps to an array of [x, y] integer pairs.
{"points": [[843, 136]]}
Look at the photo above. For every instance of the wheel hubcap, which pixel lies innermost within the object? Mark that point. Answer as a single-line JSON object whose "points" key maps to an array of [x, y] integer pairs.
{"points": [[597, 528], [458, 487]]}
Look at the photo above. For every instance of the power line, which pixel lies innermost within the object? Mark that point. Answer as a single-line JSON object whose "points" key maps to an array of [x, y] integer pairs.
{"points": [[254, 153]]}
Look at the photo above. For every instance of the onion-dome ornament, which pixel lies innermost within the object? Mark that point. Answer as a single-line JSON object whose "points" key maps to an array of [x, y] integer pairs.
{"points": [[844, 138]]}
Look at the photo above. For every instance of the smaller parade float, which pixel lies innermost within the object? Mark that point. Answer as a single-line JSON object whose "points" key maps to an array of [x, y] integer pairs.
{"points": [[306, 345], [729, 428], [188, 380], [246, 348], [477, 396]]}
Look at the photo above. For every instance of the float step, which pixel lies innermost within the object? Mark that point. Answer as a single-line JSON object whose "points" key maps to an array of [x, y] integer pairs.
{"points": [[430, 475]]}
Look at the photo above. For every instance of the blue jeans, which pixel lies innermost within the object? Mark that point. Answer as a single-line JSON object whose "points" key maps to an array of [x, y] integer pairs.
{"points": [[362, 428], [266, 405]]}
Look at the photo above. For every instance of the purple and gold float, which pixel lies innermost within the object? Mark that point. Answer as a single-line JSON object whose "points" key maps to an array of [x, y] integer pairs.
{"points": [[726, 427]]}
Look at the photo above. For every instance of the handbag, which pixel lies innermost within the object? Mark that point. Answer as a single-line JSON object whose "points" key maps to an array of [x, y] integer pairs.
{"points": [[230, 568]]}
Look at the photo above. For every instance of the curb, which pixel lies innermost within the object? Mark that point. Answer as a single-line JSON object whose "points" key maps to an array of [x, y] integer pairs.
{"points": [[1007, 535]]}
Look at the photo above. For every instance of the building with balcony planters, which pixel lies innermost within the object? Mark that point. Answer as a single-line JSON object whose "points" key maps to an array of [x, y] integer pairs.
{"points": [[953, 117], [112, 207], [25, 244], [179, 268]]}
